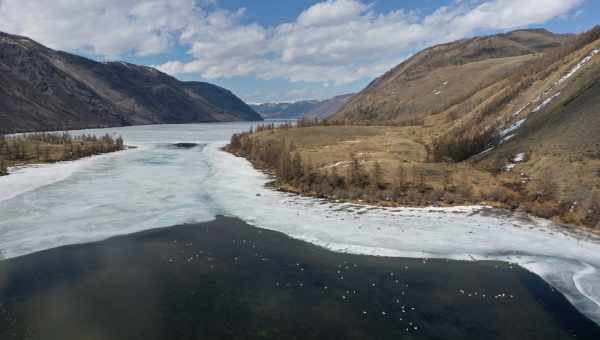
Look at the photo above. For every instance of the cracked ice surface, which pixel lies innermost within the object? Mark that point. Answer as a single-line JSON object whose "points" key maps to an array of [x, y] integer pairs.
{"points": [[157, 186]]}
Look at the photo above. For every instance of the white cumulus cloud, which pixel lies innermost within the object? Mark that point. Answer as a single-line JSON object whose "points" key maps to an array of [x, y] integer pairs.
{"points": [[333, 41], [341, 41], [107, 27]]}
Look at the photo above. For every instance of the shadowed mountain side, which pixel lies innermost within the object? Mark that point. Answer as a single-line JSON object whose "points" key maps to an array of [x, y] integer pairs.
{"points": [[43, 89]]}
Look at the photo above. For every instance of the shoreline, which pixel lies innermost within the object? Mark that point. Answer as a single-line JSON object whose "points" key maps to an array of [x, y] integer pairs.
{"points": [[37, 164], [277, 184], [19, 150], [406, 230], [481, 207], [42, 174], [521, 238], [237, 265]]}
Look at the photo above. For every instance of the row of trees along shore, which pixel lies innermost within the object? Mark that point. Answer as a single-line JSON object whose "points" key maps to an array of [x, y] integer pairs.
{"points": [[409, 184], [359, 181], [47, 147], [475, 134]]}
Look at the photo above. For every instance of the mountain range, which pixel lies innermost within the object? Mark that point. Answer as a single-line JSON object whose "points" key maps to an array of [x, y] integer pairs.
{"points": [[44, 89], [307, 108]]}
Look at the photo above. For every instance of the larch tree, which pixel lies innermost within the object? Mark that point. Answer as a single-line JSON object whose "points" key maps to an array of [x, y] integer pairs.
{"points": [[285, 164], [546, 186], [296, 169], [3, 167], [377, 181]]}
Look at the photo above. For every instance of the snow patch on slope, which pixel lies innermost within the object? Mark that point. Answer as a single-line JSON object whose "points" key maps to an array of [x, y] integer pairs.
{"points": [[577, 67], [545, 99], [545, 103], [512, 128], [519, 158]]}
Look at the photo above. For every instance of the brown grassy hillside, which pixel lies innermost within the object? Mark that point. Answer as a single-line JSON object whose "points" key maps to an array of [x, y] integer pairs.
{"points": [[439, 77], [528, 140], [560, 147]]}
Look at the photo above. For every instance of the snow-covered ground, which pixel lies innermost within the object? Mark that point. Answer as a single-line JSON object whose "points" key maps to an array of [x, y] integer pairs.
{"points": [[157, 185], [545, 102], [549, 95], [519, 158], [33, 176], [508, 133], [577, 67]]}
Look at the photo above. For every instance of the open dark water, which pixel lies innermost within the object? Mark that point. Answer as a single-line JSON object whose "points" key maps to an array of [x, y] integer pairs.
{"points": [[227, 280], [178, 174]]}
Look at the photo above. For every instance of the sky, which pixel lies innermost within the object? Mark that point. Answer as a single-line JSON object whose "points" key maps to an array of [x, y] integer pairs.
{"points": [[278, 50]]}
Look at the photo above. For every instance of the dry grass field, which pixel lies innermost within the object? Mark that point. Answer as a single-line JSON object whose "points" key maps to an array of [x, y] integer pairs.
{"points": [[440, 77], [546, 183], [548, 163], [399, 153]]}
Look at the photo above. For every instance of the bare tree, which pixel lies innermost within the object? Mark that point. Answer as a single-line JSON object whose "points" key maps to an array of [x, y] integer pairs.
{"points": [[400, 179], [37, 150], [546, 186], [296, 168], [358, 177], [593, 216], [377, 181], [285, 165], [3, 168]]}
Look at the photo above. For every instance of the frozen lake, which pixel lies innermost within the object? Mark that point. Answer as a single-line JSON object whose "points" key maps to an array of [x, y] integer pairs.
{"points": [[158, 185]]}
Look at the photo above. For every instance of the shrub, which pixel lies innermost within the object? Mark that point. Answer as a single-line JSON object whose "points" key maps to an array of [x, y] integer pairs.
{"points": [[461, 144], [51, 147], [3, 168]]}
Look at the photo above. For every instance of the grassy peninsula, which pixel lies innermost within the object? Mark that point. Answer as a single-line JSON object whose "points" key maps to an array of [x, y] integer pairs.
{"points": [[391, 166], [31, 148], [509, 120]]}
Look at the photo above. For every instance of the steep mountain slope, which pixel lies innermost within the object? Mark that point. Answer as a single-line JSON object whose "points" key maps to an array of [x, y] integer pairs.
{"points": [[306, 108], [553, 143], [439, 77], [43, 89], [527, 137]]}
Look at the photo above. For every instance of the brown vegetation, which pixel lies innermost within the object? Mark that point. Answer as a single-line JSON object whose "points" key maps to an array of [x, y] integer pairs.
{"points": [[439, 78], [52, 147], [426, 157], [386, 180], [472, 136], [323, 161]]}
